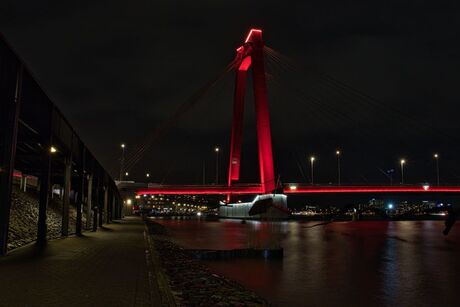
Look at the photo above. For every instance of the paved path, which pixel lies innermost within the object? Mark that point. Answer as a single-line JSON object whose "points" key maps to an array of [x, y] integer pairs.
{"points": [[105, 268]]}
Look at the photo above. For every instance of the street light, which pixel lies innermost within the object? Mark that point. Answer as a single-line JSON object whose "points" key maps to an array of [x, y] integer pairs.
{"points": [[436, 157], [312, 160], [122, 160], [402, 162], [147, 175], [338, 165], [126, 174], [53, 149], [216, 150]]}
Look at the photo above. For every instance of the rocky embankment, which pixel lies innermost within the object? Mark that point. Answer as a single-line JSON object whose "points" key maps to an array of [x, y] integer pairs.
{"points": [[191, 281], [24, 219]]}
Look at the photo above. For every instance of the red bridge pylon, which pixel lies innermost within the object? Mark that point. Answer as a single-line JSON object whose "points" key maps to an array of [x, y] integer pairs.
{"points": [[251, 54]]}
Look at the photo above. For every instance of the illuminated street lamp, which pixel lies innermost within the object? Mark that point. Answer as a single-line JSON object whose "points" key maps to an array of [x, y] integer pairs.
{"points": [[402, 162], [338, 165], [217, 150], [312, 160], [122, 160], [53, 149], [126, 174], [436, 157]]}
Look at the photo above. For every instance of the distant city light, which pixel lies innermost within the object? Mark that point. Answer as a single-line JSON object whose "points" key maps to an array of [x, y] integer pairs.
{"points": [[390, 206], [198, 213], [129, 201]]}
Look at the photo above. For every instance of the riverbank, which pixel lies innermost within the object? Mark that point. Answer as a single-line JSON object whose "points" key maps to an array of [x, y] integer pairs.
{"points": [[190, 281]]}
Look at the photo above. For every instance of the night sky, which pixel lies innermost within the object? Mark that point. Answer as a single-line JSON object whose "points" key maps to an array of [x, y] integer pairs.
{"points": [[117, 69]]}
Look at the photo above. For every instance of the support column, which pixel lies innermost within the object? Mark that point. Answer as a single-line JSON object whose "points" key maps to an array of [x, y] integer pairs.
{"points": [[105, 215], [100, 203], [113, 208], [103, 207], [89, 201], [264, 140], [45, 178], [81, 191], [66, 198], [237, 122], [95, 207], [117, 208], [10, 90]]}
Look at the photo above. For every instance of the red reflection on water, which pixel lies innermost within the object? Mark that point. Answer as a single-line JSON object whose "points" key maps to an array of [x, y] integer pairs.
{"points": [[338, 264]]}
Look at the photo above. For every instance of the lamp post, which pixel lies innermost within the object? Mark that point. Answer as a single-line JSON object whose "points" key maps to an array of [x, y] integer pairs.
{"points": [[216, 150], [122, 161], [312, 160], [338, 166], [147, 176], [204, 172], [436, 157], [402, 162]]}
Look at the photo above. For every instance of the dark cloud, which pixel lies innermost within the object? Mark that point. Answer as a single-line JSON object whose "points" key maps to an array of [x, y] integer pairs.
{"points": [[118, 68]]}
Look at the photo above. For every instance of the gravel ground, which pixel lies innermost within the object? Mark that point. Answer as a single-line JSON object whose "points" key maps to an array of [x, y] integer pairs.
{"points": [[191, 281]]}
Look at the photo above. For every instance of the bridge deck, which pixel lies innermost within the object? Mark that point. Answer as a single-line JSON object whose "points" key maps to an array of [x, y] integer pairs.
{"points": [[292, 189]]}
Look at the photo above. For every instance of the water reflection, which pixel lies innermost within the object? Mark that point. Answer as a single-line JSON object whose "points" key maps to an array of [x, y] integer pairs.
{"points": [[338, 264]]}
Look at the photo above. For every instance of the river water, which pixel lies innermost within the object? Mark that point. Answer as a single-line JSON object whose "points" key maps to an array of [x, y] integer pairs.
{"points": [[378, 263]]}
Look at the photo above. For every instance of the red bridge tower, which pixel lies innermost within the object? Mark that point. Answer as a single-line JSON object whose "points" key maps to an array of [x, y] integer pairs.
{"points": [[251, 54]]}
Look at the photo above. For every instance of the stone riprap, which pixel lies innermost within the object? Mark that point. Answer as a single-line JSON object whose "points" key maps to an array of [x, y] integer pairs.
{"points": [[24, 218]]}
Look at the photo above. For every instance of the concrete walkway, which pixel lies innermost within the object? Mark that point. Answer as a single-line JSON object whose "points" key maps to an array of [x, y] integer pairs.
{"points": [[105, 268]]}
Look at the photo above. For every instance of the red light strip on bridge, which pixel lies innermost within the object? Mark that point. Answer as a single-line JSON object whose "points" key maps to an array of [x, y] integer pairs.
{"points": [[369, 189], [201, 190], [292, 189]]}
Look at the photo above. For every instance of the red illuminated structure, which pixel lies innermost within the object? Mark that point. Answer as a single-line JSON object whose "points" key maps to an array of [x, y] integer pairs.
{"points": [[251, 55], [294, 189]]}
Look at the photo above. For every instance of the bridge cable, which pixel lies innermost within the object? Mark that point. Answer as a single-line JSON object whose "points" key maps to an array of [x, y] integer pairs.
{"points": [[142, 147], [359, 97]]}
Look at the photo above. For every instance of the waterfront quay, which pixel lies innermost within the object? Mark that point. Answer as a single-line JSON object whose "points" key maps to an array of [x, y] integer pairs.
{"points": [[104, 268]]}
